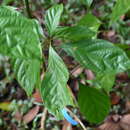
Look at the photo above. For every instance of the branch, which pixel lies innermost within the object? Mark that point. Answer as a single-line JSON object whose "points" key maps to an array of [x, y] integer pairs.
{"points": [[43, 119], [77, 119], [28, 8]]}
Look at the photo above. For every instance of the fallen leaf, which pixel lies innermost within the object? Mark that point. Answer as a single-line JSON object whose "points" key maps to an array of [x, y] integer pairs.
{"points": [[77, 72], [109, 126], [125, 122], [89, 74], [127, 106], [31, 114], [66, 125], [18, 116], [109, 34], [122, 76], [116, 118], [37, 96], [114, 98], [111, 123]]}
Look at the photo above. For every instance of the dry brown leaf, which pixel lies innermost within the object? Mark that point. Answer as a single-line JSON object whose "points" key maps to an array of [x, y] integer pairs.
{"points": [[37, 97], [90, 74], [31, 114], [18, 116], [122, 76], [114, 98], [77, 72], [111, 123], [109, 34], [66, 125], [125, 122], [109, 126], [127, 106]]}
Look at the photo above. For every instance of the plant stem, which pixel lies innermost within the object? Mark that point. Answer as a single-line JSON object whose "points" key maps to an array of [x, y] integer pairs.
{"points": [[28, 8], [43, 119], [77, 119]]}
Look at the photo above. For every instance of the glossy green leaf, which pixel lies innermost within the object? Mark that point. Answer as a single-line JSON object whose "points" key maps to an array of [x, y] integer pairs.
{"points": [[87, 2], [90, 21], [104, 81], [54, 89], [27, 73], [100, 56], [121, 7], [125, 47], [20, 40], [18, 35], [52, 18], [93, 103], [74, 33]]}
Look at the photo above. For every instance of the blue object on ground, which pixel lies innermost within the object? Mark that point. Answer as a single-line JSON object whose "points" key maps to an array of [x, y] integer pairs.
{"points": [[68, 117]]}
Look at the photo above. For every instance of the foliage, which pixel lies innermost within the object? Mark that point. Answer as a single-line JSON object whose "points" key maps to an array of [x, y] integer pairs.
{"points": [[98, 55], [96, 105], [56, 76], [19, 50], [119, 9], [52, 18], [22, 40]]}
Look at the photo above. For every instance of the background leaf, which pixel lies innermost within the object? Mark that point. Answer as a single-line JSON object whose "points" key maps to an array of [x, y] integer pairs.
{"points": [[104, 82], [54, 89], [19, 39], [5, 2], [94, 104], [74, 33], [121, 7], [125, 47], [52, 18], [99, 56], [87, 2], [90, 21]]}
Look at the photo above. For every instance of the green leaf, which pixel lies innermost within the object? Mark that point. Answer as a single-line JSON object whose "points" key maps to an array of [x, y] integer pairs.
{"points": [[52, 18], [121, 7], [125, 47], [104, 82], [20, 40], [74, 33], [54, 89], [27, 73], [87, 2], [90, 21], [6, 2], [18, 35], [94, 104], [100, 56]]}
